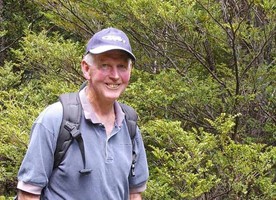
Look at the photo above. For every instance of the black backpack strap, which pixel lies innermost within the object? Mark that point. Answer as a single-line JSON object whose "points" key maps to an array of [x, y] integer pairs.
{"points": [[131, 120], [69, 128]]}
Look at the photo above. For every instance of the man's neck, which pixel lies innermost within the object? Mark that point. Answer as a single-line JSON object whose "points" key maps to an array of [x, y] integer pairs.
{"points": [[101, 107], [104, 111]]}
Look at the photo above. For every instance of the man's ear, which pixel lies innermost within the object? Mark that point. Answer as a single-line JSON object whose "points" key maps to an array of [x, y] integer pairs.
{"points": [[85, 69]]}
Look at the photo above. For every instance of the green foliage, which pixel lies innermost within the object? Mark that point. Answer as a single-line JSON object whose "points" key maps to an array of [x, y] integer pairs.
{"points": [[52, 55], [168, 95], [9, 79], [6, 198], [27, 86], [203, 85], [181, 159], [190, 164], [158, 94], [15, 17]]}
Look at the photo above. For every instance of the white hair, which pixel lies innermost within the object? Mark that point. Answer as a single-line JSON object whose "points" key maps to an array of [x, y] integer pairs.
{"points": [[89, 58]]}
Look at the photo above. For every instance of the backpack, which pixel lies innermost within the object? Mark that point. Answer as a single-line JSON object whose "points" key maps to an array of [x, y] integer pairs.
{"points": [[69, 130]]}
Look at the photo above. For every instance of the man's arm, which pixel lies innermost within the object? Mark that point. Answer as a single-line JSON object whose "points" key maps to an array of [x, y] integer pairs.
{"points": [[135, 196], [21, 195]]}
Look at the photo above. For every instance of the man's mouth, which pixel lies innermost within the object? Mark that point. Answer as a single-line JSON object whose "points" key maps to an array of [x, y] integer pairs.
{"points": [[112, 86]]}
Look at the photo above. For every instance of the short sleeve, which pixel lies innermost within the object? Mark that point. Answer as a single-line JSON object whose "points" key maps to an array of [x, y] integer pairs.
{"points": [[138, 182]]}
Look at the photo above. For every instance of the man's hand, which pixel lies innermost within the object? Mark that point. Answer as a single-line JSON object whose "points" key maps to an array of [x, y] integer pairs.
{"points": [[21, 195], [135, 196]]}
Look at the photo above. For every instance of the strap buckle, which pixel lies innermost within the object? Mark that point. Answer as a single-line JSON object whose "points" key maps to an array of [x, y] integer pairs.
{"points": [[72, 128]]}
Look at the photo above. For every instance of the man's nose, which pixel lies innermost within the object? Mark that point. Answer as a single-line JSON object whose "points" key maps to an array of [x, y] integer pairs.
{"points": [[114, 73]]}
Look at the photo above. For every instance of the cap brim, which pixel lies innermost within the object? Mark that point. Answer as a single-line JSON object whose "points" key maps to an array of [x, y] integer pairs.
{"points": [[102, 49]]}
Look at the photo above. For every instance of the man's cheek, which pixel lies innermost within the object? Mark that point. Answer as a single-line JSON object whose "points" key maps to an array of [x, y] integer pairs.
{"points": [[126, 77]]}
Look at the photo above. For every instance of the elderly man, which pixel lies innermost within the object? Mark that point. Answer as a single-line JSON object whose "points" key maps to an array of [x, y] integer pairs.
{"points": [[107, 68]]}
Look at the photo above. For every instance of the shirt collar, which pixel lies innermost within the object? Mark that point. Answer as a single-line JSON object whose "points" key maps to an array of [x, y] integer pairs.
{"points": [[90, 114]]}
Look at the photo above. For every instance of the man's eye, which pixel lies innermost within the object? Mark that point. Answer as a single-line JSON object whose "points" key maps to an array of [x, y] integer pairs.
{"points": [[122, 67], [104, 66]]}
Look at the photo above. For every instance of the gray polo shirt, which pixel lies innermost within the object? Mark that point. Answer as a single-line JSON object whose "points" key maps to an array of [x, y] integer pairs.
{"points": [[109, 158]]}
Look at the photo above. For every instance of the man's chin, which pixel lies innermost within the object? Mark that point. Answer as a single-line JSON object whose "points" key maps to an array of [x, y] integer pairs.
{"points": [[112, 98], [112, 95]]}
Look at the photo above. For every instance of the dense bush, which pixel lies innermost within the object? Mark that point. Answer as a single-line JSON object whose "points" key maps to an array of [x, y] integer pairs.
{"points": [[203, 85]]}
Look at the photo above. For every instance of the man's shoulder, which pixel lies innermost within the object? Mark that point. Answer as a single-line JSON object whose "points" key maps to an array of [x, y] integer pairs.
{"points": [[52, 113]]}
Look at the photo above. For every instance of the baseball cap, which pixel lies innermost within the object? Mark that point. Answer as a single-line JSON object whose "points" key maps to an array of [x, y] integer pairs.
{"points": [[109, 39]]}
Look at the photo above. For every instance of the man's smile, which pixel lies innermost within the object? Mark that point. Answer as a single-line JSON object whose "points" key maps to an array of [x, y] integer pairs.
{"points": [[113, 86]]}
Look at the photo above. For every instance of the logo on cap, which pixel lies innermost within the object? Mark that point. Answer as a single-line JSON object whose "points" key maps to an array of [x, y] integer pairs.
{"points": [[113, 38]]}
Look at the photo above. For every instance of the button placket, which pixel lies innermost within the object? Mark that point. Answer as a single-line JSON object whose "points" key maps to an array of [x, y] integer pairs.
{"points": [[108, 150]]}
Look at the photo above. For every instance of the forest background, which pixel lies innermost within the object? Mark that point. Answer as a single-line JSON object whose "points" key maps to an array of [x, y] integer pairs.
{"points": [[203, 85]]}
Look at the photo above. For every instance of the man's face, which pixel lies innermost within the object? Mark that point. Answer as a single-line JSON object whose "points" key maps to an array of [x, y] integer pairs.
{"points": [[109, 75]]}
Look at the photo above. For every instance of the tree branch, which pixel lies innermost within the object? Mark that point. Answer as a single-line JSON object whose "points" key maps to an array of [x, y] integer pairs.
{"points": [[250, 64]]}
